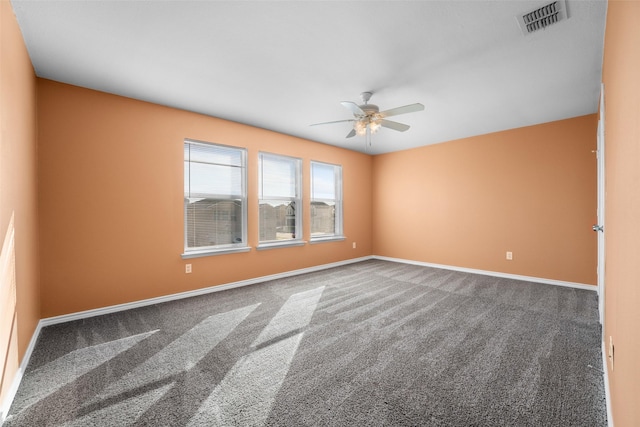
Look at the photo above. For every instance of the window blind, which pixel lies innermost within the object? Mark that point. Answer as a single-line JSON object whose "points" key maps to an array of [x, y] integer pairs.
{"points": [[214, 196]]}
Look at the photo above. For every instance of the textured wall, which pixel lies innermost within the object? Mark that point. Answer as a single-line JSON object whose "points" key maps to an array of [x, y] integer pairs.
{"points": [[531, 191]]}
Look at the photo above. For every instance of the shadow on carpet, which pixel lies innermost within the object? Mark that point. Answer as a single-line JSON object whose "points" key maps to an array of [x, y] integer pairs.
{"points": [[374, 343]]}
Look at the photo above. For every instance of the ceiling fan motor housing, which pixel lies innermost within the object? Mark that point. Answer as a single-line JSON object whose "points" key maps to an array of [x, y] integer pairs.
{"points": [[369, 109], [368, 118]]}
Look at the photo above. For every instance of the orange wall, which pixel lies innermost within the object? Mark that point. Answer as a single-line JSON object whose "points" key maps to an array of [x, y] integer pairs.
{"points": [[111, 174], [111, 200], [531, 191], [17, 197], [622, 222]]}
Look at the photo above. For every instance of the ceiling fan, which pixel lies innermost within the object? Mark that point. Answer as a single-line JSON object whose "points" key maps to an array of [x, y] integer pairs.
{"points": [[368, 118]]}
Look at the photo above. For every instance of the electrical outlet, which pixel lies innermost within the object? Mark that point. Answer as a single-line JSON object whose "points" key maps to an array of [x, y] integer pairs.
{"points": [[187, 268], [611, 352], [354, 245], [509, 256]]}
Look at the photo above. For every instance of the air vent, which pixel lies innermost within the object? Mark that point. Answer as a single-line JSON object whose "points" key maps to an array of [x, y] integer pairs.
{"points": [[542, 17]]}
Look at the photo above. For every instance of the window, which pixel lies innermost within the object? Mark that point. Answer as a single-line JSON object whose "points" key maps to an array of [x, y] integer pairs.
{"points": [[279, 199], [326, 201], [215, 199]]}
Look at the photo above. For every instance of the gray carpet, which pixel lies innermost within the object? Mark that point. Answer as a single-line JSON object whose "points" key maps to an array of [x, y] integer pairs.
{"points": [[368, 344]]}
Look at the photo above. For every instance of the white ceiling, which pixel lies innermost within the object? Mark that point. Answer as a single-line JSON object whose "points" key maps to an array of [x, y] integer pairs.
{"points": [[283, 65]]}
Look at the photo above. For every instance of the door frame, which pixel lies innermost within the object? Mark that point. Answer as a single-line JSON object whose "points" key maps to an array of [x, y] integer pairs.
{"points": [[600, 153]]}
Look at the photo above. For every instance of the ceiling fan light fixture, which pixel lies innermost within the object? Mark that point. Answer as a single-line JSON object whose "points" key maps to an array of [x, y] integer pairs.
{"points": [[368, 119], [373, 123]]}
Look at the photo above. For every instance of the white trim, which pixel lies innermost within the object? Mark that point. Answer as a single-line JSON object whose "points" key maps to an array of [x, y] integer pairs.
{"points": [[6, 404], [17, 379], [211, 252], [7, 287], [336, 238], [492, 273], [337, 197], [224, 248], [605, 374], [280, 244], [172, 297], [600, 155], [159, 300]]}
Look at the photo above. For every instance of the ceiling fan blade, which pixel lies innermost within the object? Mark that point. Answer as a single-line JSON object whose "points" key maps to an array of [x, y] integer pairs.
{"points": [[394, 125], [351, 134], [336, 121], [402, 110], [354, 108]]}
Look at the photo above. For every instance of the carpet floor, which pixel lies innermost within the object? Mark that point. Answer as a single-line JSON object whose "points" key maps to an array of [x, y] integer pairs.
{"points": [[374, 343]]}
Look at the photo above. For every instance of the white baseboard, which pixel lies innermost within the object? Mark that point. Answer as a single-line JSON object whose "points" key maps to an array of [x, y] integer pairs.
{"points": [[605, 374], [158, 300], [6, 405], [492, 273]]}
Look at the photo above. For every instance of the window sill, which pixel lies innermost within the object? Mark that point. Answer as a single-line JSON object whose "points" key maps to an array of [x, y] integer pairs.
{"points": [[211, 252], [327, 239], [285, 244]]}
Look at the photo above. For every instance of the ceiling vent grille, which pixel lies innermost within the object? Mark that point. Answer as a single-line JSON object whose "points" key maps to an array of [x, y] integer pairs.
{"points": [[542, 17]]}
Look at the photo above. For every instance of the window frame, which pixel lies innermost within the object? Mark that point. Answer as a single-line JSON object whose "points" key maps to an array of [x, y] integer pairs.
{"points": [[338, 234], [226, 248], [297, 199]]}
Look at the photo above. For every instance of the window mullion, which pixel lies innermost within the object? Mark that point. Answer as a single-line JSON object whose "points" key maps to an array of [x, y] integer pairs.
{"points": [[215, 198], [279, 198]]}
